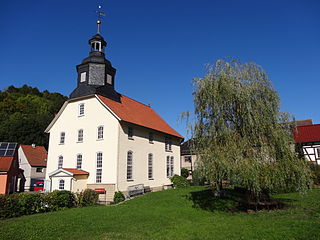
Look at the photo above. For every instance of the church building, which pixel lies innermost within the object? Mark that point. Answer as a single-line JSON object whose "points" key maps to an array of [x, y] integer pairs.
{"points": [[106, 141]]}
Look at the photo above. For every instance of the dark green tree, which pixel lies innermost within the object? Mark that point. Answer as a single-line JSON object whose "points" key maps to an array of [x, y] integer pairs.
{"points": [[25, 113], [239, 133]]}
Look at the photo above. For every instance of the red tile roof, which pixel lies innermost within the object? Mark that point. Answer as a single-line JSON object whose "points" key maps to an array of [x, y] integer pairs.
{"points": [[131, 111], [304, 122], [76, 171], [310, 133], [5, 163], [36, 156]]}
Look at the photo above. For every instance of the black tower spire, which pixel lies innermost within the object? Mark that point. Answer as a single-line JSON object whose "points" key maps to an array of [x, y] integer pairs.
{"points": [[95, 73]]}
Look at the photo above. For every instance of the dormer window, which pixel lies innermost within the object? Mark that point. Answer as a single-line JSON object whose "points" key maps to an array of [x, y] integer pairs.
{"points": [[81, 109], [83, 76]]}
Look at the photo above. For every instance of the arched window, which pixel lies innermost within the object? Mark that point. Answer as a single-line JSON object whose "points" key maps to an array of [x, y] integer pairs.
{"points": [[79, 161], [80, 135], [100, 132], [170, 163], [81, 109], [99, 167], [150, 166], [129, 165], [62, 137], [60, 161], [61, 184]]}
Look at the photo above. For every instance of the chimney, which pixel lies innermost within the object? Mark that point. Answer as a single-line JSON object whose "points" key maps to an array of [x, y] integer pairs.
{"points": [[33, 145]]}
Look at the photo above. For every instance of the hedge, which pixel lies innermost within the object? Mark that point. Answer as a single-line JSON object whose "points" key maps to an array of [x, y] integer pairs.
{"points": [[18, 204]]}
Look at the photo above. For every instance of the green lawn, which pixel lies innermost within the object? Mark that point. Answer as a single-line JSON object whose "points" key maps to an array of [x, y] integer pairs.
{"points": [[172, 214]]}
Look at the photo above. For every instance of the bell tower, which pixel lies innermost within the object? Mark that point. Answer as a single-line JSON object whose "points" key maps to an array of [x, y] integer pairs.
{"points": [[95, 73]]}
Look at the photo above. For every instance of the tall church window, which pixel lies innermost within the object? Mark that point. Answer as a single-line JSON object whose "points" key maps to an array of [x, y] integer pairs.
{"points": [[80, 135], [129, 165], [81, 109], [99, 167], [62, 137], [170, 161], [60, 161], [61, 184], [79, 161], [100, 132], [150, 166]]}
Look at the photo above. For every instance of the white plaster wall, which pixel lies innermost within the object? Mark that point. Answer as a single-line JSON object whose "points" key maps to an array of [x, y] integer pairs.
{"points": [[24, 164], [56, 179], [69, 122], [141, 147], [79, 183]]}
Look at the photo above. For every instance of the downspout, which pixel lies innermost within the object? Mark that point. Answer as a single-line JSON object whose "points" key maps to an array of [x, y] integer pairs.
{"points": [[118, 157]]}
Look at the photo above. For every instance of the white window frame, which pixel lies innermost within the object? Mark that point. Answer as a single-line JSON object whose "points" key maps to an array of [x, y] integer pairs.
{"points": [[150, 166], [129, 166], [170, 164], [62, 137], [81, 110], [168, 144], [79, 161], [151, 137], [130, 133], [99, 159], [100, 132], [60, 162], [61, 184], [80, 135]]}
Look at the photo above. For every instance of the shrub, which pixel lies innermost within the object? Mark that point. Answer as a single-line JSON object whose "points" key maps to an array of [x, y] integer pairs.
{"points": [[197, 178], [88, 197], [31, 203], [59, 200], [9, 206], [315, 168], [184, 172], [118, 197], [179, 181]]}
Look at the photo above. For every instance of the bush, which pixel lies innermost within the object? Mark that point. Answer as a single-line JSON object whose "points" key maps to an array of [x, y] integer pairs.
{"points": [[88, 197], [9, 206], [179, 181], [31, 203], [118, 197], [315, 168], [197, 178], [184, 172], [59, 200]]}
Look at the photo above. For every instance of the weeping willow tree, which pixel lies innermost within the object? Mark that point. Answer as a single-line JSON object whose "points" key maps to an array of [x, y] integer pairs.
{"points": [[239, 133]]}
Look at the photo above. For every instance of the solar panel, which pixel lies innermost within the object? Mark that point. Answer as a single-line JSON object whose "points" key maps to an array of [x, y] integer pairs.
{"points": [[7, 149]]}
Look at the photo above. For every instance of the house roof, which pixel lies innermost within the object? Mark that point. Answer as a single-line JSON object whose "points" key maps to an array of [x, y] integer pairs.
{"points": [[304, 122], [309, 133], [76, 171], [5, 163], [36, 156], [131, 111]]}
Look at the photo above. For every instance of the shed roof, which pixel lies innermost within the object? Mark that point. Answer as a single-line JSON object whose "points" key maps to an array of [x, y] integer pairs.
{"points": [[5, 163], [36, 156]]}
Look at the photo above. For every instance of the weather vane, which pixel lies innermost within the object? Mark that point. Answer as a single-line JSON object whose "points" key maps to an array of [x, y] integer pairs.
{"points": [[100, 14]]}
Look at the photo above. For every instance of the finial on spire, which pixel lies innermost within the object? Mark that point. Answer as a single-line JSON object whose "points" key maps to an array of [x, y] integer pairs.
{"points": [[100, 14]]}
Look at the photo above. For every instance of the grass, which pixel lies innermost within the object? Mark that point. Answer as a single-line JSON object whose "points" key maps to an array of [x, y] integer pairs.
{"points": [[173, 214]]}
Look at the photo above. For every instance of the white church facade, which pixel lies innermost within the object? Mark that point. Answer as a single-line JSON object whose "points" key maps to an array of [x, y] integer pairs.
{"points": [[103, 140]]}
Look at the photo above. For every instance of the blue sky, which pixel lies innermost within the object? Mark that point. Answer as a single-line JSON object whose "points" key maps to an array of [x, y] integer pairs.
{"points": [[157, 47]]}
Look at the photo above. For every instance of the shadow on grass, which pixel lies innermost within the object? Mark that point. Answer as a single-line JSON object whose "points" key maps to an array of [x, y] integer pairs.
{"points": [[233, 201], [206, 200]]}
